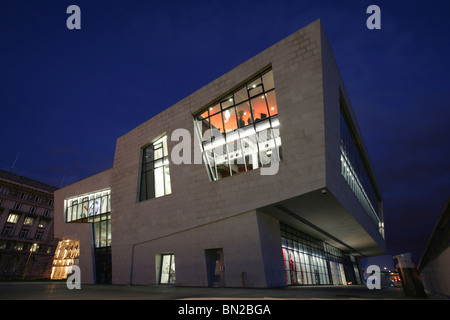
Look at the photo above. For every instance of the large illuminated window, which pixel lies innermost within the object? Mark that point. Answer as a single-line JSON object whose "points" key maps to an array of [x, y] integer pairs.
{"points": [[240, 132], [155, 175], [309, 261], [87, 206], [66, 255], [167, 271]]}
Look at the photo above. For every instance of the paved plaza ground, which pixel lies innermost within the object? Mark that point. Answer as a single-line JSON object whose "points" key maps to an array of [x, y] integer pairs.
{"points": [[109, 301], [59, 291]]}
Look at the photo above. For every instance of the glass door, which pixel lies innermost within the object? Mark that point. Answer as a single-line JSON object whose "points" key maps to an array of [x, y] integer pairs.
{"points": [[167, 274], [215, 267]]}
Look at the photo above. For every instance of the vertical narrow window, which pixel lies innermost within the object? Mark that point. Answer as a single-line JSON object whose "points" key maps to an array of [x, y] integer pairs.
{"points": [[24, 233], [167, 275], [7, 231], [155, 175]]}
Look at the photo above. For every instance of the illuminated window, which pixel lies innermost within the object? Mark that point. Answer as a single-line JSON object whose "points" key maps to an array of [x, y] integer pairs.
{"points": [[309, 261], [95, 208], [102, 231], [167, 271], [34, 247], [28, 221], [42, 223], [240, 132], [87, 207], [12, 218], [66, 255], [155, 175]]}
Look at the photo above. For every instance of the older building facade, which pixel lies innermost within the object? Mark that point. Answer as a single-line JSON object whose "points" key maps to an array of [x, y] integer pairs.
{"points": [[259, 179], [27, 244]]}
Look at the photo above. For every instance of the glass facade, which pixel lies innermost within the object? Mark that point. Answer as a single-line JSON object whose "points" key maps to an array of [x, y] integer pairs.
{"points": [[155, 175], [95, 208], [240, 132], [66, 255], [355, 172], [308, 261]]}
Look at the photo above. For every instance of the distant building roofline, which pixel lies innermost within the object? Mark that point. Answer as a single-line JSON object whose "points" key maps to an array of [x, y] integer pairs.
{"points": [[12, 177]]}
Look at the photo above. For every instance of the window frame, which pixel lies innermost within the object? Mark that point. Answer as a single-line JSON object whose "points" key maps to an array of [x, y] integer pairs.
{"points": [[227, 155], [28, 221], [149, 167], [87, 207], [13, 218], [171, 274]]}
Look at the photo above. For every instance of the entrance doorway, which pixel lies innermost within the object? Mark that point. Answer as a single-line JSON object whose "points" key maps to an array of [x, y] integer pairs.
{"points": [[337, 273], [215, 267], [167, 269]]}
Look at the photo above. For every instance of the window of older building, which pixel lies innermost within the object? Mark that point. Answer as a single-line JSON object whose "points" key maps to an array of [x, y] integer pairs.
{"points": [[12, 218], [28, 221]]}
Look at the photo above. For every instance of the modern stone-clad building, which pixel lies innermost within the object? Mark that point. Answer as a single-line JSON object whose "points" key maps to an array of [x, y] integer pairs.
{"points": [[27, 243], [435, 261], [259, 179]]}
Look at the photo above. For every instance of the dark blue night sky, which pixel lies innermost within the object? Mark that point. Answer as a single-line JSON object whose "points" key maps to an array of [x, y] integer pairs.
{"points": [[67, 95]]}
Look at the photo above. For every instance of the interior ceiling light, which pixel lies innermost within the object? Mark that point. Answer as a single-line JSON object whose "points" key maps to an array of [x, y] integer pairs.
{"points": [[227, 115]]}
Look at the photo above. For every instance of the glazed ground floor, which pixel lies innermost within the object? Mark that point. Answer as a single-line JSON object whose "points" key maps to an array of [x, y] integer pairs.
{"points": [[251, 249]]}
